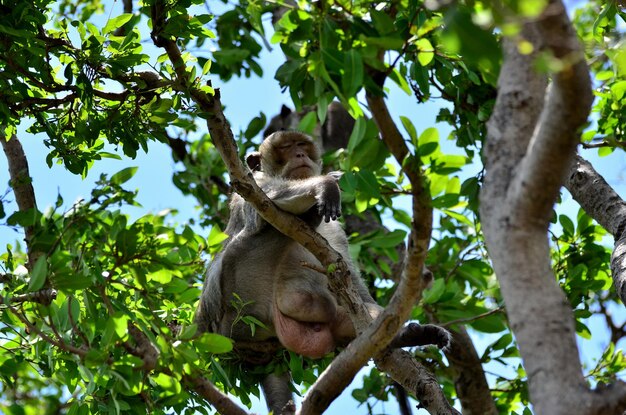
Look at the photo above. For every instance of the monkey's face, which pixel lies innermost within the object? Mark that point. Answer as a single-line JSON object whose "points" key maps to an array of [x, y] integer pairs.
{"points": [[291, 155]]}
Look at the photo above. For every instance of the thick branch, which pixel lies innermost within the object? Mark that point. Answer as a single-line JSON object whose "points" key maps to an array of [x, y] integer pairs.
{"points": [[603, 204], [596, 196], [470, 383], [520, 97], [217, 398], [542, 171], [21, 183], [517, 198], [411, 374]]}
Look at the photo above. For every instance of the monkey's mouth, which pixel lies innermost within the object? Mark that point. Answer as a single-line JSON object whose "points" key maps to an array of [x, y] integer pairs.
{"points": [[310, 339], [301, 171]]}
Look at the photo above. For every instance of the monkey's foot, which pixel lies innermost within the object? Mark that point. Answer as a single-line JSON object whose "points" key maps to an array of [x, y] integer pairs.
{"points": [[289, 409], [414, 334]]}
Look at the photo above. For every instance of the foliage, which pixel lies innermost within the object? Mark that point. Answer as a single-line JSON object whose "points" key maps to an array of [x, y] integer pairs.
{"points": [[82, 77]]}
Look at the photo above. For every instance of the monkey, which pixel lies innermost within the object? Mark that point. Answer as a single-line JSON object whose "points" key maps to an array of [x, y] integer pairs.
{"points": [[279, 280], [333, 133]]}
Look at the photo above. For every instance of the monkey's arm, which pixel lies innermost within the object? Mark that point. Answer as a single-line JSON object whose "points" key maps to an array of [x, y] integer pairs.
{"points": [[298, 196]]}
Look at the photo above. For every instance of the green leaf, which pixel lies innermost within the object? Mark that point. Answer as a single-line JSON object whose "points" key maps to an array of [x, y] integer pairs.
{"points": [[296, 367], [120, 324], [434, 293], [582, 330], [116, 22], [428, 142], [39, 274], [308, 123], [216, 236], [213, 343], [384, 42], [426, 51], [124, 175], [567, 224], [410, 128], [167, 382], [255, 126], [400, 80], [382, 22], [24, 218], [493, 323], [352, 79]]}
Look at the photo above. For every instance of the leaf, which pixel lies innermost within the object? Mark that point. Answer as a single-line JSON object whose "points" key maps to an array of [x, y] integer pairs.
{"points": [[119, 323], [567, 224], [461, 218], [213, 343], [38, 276], [384, 42], [428, 142], [308, 123], [255, 126], [400, 80], [426, 51], [116, 22], [410, 128], [382, 22], [124, 175], [24, 218], [206, 67], [388, 240], [434, 293], [358, 134], [167, 382], [352, 79], [493, 323], [216, 236], [296, 367]]}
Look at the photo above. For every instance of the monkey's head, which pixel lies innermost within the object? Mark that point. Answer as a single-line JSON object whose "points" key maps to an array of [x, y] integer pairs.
{"points": [[289, 154]]}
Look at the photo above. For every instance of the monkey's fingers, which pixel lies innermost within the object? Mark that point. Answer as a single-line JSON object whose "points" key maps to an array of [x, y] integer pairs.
{"points": [[335, 174], [329, 211]]}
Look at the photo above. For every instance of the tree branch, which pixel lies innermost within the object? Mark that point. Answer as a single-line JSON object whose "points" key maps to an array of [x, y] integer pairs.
{"points": [[542, 171], [21, 183], [412, 283], [521, 185], [217, 398], [470, 384], [603, 204]]}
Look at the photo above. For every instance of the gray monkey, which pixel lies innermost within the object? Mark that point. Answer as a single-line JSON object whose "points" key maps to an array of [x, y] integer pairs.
{"points": [[277, 277]]}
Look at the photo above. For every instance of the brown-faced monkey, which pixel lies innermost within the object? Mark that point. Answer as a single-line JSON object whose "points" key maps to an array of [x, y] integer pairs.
{"points": [[276, 277]]}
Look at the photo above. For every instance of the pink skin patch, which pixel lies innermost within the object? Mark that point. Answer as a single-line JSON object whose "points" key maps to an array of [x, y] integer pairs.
{"points": [[308, 339]]}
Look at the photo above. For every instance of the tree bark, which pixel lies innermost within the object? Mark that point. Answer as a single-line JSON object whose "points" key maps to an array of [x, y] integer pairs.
{"points": [[470, 384], [21, 183], [529, 149], [603, 204]]}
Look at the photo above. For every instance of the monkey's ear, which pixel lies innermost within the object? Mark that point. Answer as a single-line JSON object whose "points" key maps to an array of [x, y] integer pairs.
{"points": [[253, 160], [285, 110]]}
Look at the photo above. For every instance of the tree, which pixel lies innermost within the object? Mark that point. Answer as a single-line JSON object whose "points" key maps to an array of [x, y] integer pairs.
{"points": [[97, 309]]}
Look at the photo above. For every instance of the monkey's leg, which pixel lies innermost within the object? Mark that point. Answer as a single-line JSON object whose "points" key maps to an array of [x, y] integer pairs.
{"points": [[278, 394]]}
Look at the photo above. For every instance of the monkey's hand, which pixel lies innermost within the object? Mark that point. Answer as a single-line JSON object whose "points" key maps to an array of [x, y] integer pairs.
{"points": [[328, 199], [335, 174], [414, 334]]}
